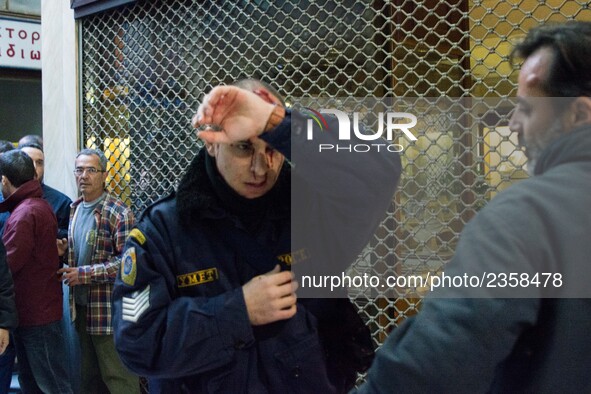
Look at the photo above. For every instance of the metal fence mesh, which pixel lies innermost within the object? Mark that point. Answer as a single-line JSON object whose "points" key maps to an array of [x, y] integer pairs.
{"points": [[145, 67]]}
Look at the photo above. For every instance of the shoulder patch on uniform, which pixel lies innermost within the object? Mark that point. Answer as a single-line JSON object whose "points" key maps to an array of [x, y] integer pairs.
{"points": [[197, 277], [135, 305], [129, 267], [138, 236]]}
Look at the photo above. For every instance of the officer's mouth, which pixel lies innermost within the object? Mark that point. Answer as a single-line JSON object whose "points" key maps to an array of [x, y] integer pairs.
{"points": [[256, 185]]}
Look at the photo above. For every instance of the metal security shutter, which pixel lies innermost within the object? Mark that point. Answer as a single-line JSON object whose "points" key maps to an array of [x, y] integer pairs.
{"points": [[145, 68]]}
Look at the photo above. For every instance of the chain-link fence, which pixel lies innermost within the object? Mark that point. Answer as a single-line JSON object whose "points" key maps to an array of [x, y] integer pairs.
{"points": [[145, 68]]}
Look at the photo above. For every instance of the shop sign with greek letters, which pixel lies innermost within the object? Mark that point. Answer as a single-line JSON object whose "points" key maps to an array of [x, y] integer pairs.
{"points": [[20, 44]]}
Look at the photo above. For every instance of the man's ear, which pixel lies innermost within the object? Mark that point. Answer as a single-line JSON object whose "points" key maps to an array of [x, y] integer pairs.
{"points": [[210, 149], [580, 113], [6, 182]]}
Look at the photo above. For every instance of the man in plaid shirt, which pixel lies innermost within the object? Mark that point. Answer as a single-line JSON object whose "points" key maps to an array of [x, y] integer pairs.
{"points": [[99, 225]]}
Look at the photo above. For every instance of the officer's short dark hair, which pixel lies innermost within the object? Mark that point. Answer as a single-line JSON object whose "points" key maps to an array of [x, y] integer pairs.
{"points": [[17, 166], [569, 74]]}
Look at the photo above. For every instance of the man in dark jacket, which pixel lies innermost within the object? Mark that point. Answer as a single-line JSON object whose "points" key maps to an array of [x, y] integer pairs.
{"points": [[59, 202], [530, 241], [32, 145], [206, 301], [30, 238]]}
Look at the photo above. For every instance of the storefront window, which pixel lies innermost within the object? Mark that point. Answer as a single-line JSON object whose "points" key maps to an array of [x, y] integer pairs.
{"points": [[30, 7], [21, 114]]}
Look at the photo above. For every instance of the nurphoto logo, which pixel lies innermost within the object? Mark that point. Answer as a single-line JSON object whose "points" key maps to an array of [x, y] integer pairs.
{"points": [[394, 123]]}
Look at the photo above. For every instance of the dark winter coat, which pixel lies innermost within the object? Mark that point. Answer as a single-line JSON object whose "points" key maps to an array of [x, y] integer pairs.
{"points": [[180, 314]]}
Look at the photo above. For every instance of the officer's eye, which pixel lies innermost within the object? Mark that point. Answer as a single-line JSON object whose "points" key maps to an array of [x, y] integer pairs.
{"points": [[243, 148]]}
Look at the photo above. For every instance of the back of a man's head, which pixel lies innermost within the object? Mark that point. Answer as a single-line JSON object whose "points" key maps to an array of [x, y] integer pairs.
{"points": [[570, 43], [17, 167], [31, 139], [5, 146]]}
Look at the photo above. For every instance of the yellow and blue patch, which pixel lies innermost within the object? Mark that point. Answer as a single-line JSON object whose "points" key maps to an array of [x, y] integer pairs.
{"points": [[129, 267]]}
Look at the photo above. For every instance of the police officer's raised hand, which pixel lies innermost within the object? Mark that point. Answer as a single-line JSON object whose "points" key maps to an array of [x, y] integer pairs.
{"points": [[270, 297], [241, 115]]}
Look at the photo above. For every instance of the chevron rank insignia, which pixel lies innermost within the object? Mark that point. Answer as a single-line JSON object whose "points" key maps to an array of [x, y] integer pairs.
{"points": [[136, 304]]}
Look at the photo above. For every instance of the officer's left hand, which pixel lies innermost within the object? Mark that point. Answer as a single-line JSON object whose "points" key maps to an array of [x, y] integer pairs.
{"points": [[270, 297]]}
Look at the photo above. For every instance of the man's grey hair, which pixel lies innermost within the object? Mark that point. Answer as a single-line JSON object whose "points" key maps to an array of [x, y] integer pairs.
{"points": [[97, 152]]}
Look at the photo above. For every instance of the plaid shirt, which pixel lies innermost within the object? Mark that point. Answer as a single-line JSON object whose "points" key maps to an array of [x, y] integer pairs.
{"points": [[114, 221]]}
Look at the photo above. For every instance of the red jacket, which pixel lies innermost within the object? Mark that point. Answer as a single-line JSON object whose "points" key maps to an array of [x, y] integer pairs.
{"points": [[31, 251]]}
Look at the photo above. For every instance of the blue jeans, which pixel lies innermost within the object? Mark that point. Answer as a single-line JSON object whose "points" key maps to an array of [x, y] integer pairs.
{"points": [[6, 364], [42, 360], [72, 344]]}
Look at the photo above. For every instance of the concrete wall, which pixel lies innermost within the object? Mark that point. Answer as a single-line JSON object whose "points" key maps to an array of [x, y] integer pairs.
{"points": [[59, 90]]}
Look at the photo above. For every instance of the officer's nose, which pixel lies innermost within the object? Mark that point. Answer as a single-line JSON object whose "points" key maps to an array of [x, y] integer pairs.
{"points": [[261, 161]]}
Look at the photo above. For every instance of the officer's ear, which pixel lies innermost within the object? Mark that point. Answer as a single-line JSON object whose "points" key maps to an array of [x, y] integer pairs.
{"points": [[210, 149]]}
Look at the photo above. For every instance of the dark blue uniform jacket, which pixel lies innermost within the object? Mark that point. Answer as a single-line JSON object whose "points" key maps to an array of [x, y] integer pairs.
{"points": [[180, 316]]}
